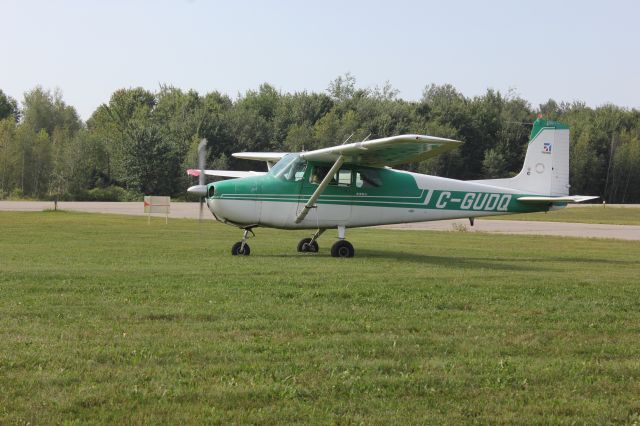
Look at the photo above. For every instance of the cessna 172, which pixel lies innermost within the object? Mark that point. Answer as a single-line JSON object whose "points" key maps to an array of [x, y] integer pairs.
{"points": [[351, 185]]}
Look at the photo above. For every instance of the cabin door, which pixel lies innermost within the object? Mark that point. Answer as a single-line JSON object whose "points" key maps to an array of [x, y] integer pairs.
{"points": [[334, 205]]}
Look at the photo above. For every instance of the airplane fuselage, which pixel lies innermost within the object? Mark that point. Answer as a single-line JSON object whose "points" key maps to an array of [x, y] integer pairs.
{"points": [[358, 196]]}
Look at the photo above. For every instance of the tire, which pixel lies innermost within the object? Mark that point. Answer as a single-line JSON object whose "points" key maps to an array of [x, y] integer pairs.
{"points": [[235, 250], [306, 246], [342, 248]]}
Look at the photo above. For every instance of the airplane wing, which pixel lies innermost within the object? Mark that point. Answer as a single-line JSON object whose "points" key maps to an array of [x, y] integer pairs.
{"points": [[270, 157], [565, 199], [224, 173], [386, 151], [261, 156]]}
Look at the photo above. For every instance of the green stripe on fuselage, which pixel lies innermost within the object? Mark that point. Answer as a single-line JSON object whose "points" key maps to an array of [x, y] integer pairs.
{"points": [[398, 190]]}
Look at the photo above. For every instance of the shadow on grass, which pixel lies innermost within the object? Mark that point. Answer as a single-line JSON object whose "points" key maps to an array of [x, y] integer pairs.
{"points": [[505, 264], [596, 260]]}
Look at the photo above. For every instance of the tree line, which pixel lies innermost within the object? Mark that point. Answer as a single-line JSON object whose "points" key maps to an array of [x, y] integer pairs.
{"points": [[141, 142]]}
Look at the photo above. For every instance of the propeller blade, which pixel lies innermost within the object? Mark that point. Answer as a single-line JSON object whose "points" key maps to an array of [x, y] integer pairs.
{"points": [[202, 156], [202, 187]]}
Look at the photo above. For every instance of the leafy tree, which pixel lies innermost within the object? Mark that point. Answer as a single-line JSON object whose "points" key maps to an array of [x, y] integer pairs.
{"points": [[151, 162], [342, 88], [44, 110], [7, 141], [494, 163], [8, 107]]}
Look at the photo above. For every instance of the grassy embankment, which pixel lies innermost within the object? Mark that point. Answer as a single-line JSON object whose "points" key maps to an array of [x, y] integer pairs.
{"points": [[105, 319]]}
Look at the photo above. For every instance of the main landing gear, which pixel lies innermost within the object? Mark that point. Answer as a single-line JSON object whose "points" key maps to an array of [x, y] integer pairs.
{"points": [[342, 247], [241, 248]]}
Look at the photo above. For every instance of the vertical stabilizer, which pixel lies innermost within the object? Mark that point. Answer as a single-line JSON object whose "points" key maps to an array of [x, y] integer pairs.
{"points": [[546, 164]]}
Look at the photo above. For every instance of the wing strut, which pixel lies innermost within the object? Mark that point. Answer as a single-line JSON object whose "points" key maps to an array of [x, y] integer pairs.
{"points": [[323, 185]]}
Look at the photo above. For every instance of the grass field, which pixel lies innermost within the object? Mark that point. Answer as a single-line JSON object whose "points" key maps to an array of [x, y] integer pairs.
{"points": [[595, 214], [104, 319]]}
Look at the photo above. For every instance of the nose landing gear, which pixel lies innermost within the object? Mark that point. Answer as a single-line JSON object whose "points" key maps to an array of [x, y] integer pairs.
{"points": [[241, 248]]}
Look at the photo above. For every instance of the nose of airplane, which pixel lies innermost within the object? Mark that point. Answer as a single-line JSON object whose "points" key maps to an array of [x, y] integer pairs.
{"points": [[199, 190]]}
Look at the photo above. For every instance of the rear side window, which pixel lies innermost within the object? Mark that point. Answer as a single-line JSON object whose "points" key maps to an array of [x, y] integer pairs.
{"points": [[368, 178], [344, 177]]}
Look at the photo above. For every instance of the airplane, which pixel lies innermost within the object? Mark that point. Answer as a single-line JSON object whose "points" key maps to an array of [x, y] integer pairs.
{"points": [[353, 185]]}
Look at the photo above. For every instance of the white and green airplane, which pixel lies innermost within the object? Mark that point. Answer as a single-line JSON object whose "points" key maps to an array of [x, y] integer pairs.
{"points": [[352, 185]]}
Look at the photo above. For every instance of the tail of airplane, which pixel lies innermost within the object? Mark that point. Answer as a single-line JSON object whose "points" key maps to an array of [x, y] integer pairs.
{"points": [[546, 164]]}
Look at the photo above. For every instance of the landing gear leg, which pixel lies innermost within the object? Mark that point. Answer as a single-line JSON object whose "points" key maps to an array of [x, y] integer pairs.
{"points": [[342, 248], [241, 248], [310, 245]]}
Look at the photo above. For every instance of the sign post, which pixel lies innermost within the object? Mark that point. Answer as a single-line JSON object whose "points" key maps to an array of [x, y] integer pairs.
{"points": [[154, 204]]}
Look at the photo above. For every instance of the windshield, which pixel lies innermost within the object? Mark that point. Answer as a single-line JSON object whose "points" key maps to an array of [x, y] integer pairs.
{"points": [[290, 167]]}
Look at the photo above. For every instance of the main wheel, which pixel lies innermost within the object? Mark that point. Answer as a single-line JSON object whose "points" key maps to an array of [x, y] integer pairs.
{"points": [[238, 250], [342, 248], [306, 246]]}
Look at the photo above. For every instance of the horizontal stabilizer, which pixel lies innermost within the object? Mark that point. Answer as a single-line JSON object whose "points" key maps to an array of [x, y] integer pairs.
{"points": [[224, 173], [565, 199]]}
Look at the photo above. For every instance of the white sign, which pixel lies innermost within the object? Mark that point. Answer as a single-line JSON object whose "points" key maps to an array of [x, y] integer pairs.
{"points": [[153, 204]]}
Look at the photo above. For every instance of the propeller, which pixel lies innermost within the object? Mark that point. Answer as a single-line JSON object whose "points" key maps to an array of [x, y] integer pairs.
{"points": [[201, 188]]}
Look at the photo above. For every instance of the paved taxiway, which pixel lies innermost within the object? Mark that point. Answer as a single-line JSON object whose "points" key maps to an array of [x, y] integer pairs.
{"points": [[190, 210]]}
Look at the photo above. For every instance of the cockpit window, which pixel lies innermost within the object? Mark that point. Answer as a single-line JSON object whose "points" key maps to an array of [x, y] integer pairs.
{"points": [[291, 167]]}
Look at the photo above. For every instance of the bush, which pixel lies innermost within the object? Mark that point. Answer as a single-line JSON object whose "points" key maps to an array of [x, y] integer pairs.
{"points": [[110, 193]]}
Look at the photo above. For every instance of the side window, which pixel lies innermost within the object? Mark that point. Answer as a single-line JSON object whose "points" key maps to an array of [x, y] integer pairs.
{"points": [[318, 174], [344, 177], [368, 178]]}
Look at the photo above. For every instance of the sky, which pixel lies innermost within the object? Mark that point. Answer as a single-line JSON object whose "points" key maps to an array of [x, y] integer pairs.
{"points": [[569, 50]]}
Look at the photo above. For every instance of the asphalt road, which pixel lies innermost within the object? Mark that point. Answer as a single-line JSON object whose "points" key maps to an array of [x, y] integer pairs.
{"points": [[190, 210]]}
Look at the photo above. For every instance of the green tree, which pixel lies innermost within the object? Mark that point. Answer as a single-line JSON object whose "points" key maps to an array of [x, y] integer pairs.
{"points": [[8, 107], [7, 141]]}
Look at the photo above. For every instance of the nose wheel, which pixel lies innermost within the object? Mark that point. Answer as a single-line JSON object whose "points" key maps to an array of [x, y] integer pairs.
{"points": [[241, 248]]}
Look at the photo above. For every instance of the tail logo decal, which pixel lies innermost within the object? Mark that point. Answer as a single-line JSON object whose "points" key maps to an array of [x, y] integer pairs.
{"points": [[546, 148]]}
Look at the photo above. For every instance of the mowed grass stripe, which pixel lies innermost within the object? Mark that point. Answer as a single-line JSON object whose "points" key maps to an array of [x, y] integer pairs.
{"points": [[105, 319]]}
